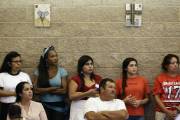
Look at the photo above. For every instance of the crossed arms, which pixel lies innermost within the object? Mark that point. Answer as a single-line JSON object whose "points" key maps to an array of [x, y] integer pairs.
{"points": [[107, 115]]}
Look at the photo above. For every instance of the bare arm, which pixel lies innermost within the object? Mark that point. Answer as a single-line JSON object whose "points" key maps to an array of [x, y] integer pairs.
{"points": [[38, 90], [107, 115], [95, 116], [142, 102], [6, 93], [160, 103], [146, 95], [63, 89], [131, 100], [171, 114], [116, 115], [178, 107], [145, 100], [74, 95], [45, 90]]}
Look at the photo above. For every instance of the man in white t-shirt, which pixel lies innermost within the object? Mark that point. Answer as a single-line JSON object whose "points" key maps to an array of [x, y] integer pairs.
{"points": [[105, 107]]}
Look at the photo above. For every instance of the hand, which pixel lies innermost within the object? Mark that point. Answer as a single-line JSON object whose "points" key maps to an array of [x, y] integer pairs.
{"points": [[177, 107], [171, 114], [92, 92], [131, 100], [13, 93], [138, 103], [52, 88]]}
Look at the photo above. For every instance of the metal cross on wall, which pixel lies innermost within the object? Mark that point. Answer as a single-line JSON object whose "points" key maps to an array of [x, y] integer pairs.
{"points": [[133, 14]]}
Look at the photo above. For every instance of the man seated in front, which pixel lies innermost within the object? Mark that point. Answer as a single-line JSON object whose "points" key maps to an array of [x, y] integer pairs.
{"points": [[105, 107]]}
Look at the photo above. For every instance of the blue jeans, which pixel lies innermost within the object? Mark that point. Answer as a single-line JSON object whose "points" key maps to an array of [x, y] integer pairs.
{"points": [[136, 118]]}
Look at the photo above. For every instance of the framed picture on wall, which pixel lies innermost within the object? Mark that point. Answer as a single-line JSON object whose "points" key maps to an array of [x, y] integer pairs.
{"points": [[42, 15]]}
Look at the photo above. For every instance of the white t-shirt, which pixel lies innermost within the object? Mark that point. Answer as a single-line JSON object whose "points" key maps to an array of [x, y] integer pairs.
{"points": [[8, 82], [97, 105]]}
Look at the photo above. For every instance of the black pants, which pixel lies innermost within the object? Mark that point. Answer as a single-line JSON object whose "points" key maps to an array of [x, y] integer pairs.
{"points": [[4, 110], [53, 115]]}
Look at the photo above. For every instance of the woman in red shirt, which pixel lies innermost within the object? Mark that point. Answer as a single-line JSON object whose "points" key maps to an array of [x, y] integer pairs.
{"points": [[82, 86], [167, 89], [133, 89]]}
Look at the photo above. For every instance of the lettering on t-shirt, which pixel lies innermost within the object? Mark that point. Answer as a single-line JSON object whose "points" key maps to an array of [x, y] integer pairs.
{"points": [[172, 91]]}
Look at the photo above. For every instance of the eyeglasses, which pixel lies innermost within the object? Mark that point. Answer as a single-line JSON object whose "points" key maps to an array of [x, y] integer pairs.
{"points": [[17, 61]]}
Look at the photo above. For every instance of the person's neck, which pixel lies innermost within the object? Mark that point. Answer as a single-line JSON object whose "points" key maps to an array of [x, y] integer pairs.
{"points": [[105, 98], [14, 72], [172, 74], [25, 103], [87, 76], [52, 67], [132, 75]]}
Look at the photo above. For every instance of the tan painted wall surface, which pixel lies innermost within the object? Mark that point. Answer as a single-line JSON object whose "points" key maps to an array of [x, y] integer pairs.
{"points": [[93, 27]]}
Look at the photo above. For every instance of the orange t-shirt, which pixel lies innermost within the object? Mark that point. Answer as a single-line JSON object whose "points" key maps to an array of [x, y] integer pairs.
{"points": [[169, 90], [138, 87]]}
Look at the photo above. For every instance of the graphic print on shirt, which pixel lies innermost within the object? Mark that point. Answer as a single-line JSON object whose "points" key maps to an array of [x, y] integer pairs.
{"points": [[172, 91]]}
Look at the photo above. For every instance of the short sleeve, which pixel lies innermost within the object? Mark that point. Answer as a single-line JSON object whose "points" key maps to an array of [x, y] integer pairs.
{"points": [[90, 105], [120, 104], [28, 79], [157, 87], [118, 88], [98, 79], [1, 81], [147, 88], [63, 72]]}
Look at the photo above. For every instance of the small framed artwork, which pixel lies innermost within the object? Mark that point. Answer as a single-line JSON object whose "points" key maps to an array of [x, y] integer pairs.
{"points": [[134, 14], [42, 15]]}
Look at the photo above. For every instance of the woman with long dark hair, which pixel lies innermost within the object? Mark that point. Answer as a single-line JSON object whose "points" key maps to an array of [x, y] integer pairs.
{"points": [[29, 110], [133, 89], [166, 89], [82, 86], [50, 82], [10, 76]]}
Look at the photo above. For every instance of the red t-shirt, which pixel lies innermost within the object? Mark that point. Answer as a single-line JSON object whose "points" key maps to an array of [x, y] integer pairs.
{"points": [[86, 88], [169, 90], [138, 87]]}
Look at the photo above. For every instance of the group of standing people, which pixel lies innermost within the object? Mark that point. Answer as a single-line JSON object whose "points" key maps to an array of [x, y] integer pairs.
{"points": [[50, 81]]}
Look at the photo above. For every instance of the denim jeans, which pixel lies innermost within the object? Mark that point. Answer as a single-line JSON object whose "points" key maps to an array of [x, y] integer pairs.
{"points": [[52, 114], [136, 118]]}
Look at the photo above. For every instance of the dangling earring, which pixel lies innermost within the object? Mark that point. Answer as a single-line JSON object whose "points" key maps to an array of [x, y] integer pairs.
{"points": [[81, 72]]}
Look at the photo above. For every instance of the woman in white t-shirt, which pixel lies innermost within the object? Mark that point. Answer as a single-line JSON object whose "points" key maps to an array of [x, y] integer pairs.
{"points": [[10, 76]]}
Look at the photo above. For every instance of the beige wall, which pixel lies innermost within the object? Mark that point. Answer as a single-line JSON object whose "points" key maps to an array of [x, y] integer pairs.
{"points": [[93, 27]]}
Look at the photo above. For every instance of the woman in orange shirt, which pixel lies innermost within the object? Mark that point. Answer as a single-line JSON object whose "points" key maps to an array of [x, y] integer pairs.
{"points": [[133, 89]]}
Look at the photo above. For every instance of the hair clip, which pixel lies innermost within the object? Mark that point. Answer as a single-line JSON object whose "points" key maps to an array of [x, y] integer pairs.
{"points": [[46, 50]]}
